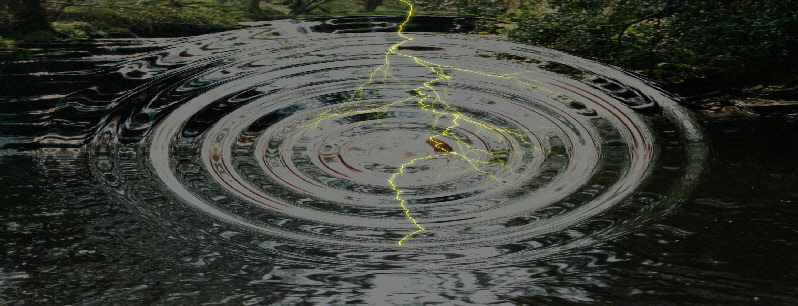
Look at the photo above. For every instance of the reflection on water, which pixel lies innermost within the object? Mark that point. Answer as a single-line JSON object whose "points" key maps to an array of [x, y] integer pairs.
{"points": [[184, 170]]}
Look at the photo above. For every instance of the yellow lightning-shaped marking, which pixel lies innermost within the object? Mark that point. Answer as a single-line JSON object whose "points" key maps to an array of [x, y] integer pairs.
{"points": [[464, 150]]}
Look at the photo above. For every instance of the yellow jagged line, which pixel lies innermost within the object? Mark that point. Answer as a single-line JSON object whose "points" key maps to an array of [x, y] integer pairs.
{"points": [[399, 193], [419, 93]]}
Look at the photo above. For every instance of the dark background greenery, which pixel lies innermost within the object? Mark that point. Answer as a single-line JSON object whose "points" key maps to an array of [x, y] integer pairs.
{"points": [[738, 47], [723, 45]]}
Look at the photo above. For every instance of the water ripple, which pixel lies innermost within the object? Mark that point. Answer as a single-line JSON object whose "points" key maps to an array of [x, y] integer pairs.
{"points": [[228, 125]]}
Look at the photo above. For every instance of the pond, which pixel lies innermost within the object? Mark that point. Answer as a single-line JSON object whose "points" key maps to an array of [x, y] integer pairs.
{"points": [[339, 160]]}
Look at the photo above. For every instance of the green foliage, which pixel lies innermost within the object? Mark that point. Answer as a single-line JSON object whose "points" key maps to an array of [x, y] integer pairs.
{"points": [[71, 29], [154, 18], [483, 8], [38, 37], [672, 41], [335, 7], [350, 7], [9, 50], [477, 8], [6, 44]]}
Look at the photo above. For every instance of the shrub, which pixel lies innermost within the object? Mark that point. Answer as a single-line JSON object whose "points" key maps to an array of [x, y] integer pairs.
{"points": [[714, 43]]}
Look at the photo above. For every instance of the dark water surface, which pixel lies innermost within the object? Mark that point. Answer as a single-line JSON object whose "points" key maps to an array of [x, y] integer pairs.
{"points": [[238, 168]]}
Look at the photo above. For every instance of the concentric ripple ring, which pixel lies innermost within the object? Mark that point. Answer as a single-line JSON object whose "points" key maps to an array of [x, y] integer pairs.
{"points": [[547, 161]]}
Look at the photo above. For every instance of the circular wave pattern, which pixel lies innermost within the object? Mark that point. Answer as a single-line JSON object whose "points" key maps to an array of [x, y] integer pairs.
{"points": [[533, 153]]}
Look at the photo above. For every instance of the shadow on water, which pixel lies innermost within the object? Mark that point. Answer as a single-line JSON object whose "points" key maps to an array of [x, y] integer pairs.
{"points": [[89, 216]]}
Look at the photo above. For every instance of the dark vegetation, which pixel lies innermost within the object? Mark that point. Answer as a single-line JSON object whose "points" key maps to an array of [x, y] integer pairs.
{"points": [[693, 47], [737, 47]]}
